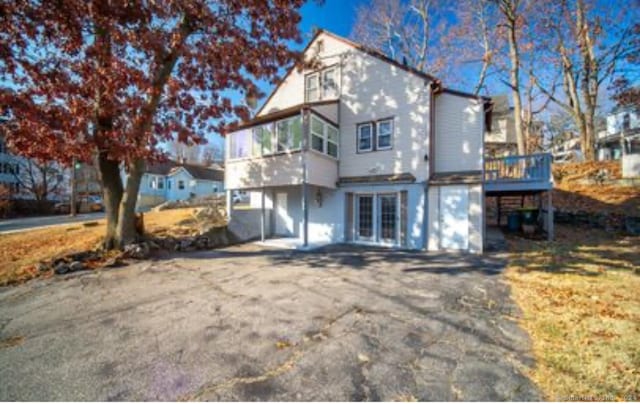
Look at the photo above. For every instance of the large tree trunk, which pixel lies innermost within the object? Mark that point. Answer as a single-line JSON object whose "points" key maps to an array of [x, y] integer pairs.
{"points": [[514, 76], [112, 191], [126, 230]]}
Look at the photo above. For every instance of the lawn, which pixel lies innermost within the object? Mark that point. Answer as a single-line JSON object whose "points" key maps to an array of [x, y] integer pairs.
{"points": [[581, 307], [21, 252]]}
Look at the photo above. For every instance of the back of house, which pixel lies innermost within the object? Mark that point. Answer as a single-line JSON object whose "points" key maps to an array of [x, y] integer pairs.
{"points": [[363, 149]]}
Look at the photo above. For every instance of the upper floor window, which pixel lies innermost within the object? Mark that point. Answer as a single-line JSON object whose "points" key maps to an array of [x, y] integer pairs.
{"points": [[384, 132], [324, 137], [376, 135], [330, 83], [311, 88], [626, 122], [365, 137], [321, 85], [180, 184], [160, 183]]}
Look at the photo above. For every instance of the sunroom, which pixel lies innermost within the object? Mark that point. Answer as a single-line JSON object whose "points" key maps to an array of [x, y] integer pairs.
{"points": [[290, 159]]}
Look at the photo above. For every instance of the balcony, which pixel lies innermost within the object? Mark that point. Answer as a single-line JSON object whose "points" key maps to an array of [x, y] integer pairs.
{"points": [[290, 147], [518, 173]]}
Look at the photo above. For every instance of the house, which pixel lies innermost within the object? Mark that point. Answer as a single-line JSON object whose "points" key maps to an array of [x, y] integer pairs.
{"points": [[622, 134], [9, 168], [371, 151], [173, 181], [500, 139]]}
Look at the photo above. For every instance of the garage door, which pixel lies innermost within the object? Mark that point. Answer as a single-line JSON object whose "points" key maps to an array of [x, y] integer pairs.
{"points": [[454, 218]]}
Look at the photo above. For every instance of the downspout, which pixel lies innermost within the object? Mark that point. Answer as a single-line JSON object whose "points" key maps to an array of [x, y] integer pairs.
{"points": [[305, 188], [433, 86]]}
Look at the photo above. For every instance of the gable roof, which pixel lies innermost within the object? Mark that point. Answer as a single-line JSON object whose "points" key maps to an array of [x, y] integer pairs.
{"points": [[170, 167], [360, 47]]}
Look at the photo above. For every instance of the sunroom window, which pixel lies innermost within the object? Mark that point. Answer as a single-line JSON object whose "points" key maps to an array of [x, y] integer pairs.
{"points": [[240, 144], [289, 134], [324, 137]]}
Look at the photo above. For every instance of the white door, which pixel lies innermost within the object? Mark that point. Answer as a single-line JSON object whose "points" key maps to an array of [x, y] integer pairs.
{"points": [[454, 217], [284, 222]]}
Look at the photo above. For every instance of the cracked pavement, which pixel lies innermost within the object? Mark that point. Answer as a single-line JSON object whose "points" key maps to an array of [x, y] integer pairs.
{"points": [[245, 323]]}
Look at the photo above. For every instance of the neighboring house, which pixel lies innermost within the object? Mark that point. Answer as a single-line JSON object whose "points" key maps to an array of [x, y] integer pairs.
{"points": [[500, 140], [9, 167], [371, 151], [566, 148], [173, 181], [622, 135]]}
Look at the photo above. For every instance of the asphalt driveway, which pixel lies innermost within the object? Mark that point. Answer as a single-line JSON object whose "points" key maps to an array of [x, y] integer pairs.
{"points": [[250, 324]]}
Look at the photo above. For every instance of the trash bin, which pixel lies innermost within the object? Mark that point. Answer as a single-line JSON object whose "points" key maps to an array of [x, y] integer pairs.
{"points": [[513, 221]]}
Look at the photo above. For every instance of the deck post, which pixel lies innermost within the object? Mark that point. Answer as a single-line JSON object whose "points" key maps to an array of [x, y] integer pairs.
{"points": [[263, 223], [549, 216], [229, 203]]}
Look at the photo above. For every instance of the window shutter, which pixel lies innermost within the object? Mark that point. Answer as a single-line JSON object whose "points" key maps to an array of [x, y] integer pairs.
{"points": [[348, 228]]}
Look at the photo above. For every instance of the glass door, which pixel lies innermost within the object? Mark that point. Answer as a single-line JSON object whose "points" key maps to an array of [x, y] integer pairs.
{"points": [[388, 218], [364, 216]]}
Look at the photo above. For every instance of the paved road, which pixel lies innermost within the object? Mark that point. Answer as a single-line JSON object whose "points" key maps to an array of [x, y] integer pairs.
{"points": [[21, 224], [341, 324]]}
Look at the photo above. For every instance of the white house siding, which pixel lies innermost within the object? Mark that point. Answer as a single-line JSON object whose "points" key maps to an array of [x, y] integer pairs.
{"points": [[269, 171], [458, 133], [322, 170], [329, 111], [371, 90], [291, 91], [475, 217]]}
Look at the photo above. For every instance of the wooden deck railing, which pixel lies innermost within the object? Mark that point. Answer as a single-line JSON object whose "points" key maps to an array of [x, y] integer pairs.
{"points": [[528, 168]]}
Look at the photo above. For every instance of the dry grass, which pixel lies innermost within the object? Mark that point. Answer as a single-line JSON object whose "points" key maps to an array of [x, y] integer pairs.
{"points": [[581, 307], [21, 252]]}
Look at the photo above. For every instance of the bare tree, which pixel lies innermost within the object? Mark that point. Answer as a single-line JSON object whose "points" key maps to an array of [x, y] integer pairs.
{"points": [[38, 179], [511, 24], [407, 31], [589, 49]]}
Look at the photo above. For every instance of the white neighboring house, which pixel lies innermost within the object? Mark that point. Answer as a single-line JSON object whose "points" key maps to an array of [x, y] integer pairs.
{"points": [[173, 181], [622, 135], [368, 150]]}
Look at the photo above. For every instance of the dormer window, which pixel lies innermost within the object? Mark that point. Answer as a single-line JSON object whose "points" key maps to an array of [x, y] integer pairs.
{"points": [[321, 85]]}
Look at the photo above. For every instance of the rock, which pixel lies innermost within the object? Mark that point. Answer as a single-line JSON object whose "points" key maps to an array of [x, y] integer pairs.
{"points": [[62, 268], [43, 267], [202, 242], [138, 251], [76, 266], [153, 245], [217, 236]]}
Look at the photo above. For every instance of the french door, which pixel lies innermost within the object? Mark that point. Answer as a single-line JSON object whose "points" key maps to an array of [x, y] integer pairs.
{"points": [[377, 218]]}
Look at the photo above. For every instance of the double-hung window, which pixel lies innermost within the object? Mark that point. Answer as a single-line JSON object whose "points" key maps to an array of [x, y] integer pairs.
{"points": [[329, 83], [324, 137], [377, 135], [322, 85], [365, 137], [312, 87], [384, 131], [317, 134]]}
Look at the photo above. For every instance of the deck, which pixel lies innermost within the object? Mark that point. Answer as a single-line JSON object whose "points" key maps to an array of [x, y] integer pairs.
{"points": [[518, 174]]}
